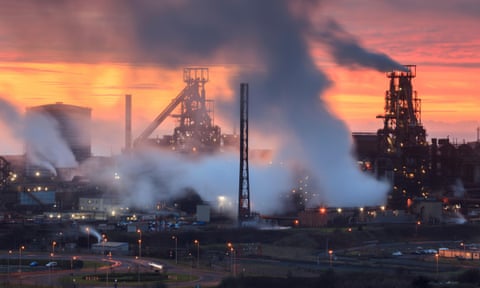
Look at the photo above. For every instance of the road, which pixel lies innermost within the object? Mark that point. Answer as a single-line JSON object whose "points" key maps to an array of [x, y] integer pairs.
{"points": [[45, 276], [343, 261]]}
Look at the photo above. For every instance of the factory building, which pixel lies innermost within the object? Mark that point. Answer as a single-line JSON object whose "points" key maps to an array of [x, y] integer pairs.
{"points": [[34, 179], [73, 126]]}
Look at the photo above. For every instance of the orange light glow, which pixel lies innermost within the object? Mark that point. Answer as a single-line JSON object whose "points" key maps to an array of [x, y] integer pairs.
{"points": [[41, 62]]}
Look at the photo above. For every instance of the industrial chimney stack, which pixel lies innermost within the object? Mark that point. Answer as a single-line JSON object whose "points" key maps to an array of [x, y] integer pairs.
{"points": [[244, 184], [128, 122]]}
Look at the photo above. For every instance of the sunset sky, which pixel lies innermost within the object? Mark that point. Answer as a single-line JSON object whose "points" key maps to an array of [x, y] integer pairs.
{"points": [[92, 53]]}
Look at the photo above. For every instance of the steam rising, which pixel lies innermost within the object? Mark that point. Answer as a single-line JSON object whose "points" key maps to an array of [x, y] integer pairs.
{"points": [[268, 41], [286, 92], [90, 231], [45, 145], [146, 177]]}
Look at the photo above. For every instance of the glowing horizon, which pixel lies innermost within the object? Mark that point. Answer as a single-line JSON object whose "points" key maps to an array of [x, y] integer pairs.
{"points": [[98, 75]]}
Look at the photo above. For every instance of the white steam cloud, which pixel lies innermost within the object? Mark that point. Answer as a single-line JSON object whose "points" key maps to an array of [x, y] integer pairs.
{"points": [[268, 36], [148, 176], [40, 132], [45, 145], [286, 93]]}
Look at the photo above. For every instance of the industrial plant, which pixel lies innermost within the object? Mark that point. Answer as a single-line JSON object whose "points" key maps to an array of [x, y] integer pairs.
{"points": [[428, 181]]}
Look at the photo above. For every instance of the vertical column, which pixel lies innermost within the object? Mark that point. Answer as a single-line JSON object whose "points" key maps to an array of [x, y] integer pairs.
{"points": [[128, 122], [244, 185]]}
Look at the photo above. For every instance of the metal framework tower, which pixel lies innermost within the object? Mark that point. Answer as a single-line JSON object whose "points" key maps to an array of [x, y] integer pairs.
{"points": [[402, 141], [195, 130], [244, 184]]}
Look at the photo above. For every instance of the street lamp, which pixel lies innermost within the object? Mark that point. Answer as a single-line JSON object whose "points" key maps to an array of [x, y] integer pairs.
{"points": [[88, 237], [104, 240], [330, 253], [416, 227], [74, 258], [198, 252], [176, 245], [53, 247], [20, 249], [436, 259], [232, 258], [8, 264], [139, 243]]}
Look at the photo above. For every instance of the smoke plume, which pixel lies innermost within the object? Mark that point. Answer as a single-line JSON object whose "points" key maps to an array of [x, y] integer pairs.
{"points": [[148, 176], [347, 51], [268, 41], [45, 145], [286, 85]]}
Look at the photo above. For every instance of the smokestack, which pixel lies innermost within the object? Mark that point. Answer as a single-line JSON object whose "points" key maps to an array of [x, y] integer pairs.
{"points": [[128, 122], [244, 184]]}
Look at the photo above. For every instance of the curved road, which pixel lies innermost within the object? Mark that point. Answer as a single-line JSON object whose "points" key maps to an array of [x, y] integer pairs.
{"points": [[43, 275]]}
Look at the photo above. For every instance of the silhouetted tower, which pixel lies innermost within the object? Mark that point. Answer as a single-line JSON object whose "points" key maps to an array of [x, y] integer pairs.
{"points": [[244, 185], [195, 130], [128, 122], [404, 155]]}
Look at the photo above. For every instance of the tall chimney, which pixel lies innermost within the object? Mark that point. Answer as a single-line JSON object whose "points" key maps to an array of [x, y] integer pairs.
{"points": [[128, 122]]}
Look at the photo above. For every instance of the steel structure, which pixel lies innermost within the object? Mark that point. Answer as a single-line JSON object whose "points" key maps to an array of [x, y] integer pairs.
{"points": [[195, 130], [404, 152], [244, 183]]}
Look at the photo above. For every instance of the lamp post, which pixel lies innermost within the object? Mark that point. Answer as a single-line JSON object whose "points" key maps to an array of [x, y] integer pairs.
{"points": [[139, 243], [88, 237], [54, 243], [330, 253], [232, 258], [20, 249], [436, 260], [71, 262], [8, 264], [416, 227], [464, 250], [176, 250], [104, 240], [198, 252]]}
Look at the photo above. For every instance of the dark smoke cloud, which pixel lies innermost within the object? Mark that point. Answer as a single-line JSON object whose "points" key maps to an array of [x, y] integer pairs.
{"points": [[264, 37], [347, 51]]}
